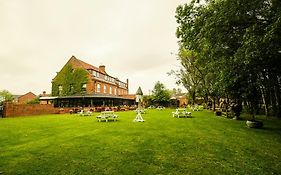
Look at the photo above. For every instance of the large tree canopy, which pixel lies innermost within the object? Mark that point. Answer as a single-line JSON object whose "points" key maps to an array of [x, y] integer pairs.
{"points": [[160, 95], [232, 48]]}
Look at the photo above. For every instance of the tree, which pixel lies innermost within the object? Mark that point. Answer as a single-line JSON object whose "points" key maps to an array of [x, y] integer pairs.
{"points": [[34, 101], [238, 45], [147, 100], [6, 96], [176, 92], [160, 95]]}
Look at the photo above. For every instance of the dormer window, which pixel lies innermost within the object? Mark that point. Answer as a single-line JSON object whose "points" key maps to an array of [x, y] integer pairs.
{"points": [[94, 73]]}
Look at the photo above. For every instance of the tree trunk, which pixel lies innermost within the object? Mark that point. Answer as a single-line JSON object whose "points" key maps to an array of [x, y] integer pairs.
{"points": [[214, 104], [227, 105], [278, 101], [265, 102], [193, 98]]}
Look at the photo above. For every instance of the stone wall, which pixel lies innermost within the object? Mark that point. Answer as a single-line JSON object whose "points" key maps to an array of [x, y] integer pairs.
{"points": [[14, 110]]}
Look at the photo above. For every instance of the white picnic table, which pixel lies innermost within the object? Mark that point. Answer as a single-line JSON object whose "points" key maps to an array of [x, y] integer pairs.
{"points": [[107, 115], [85, 113], [181, 112]]}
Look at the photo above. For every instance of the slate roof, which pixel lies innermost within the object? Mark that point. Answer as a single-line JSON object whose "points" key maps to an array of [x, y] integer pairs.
{"points": [[87, 66], [139, 91]]}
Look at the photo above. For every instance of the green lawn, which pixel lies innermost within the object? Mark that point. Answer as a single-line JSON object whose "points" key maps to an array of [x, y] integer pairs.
{"points": [[204, 144]]}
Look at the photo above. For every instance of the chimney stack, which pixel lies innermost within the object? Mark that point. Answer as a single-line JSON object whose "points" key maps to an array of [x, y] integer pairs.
{"points": [[127, 85], [102, 68]]}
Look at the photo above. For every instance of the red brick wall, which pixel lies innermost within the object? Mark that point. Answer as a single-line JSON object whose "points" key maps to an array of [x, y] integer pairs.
{"points": [[90, 85], [13, 110]]}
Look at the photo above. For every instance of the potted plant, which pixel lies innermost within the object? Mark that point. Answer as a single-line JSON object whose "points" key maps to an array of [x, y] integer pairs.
{"points": [[253, 123]]}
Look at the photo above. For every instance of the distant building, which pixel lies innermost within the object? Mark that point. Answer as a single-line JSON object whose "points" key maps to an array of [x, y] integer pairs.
{"points": [[179, 100], [23, 99], [46, 99], [182, 100], [16, 98], [101, 89]]}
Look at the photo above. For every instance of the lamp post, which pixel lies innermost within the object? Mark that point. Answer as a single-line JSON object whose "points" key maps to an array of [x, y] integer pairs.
{"points": [[139, 97]]}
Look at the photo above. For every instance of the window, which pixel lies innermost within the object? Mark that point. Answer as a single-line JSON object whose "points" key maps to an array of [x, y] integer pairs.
{"points": [[110, 90], [94, 73], [115, 91], [104, 89], [60, 89], [71, 88], [84, 86], [98, 87]]}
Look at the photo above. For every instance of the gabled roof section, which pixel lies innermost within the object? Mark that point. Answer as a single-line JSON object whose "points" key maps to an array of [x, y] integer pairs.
{"points": [[29, 93], [85, 65], [76, 63]]}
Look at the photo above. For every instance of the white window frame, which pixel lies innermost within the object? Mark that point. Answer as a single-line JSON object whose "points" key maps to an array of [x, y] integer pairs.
{"points": [[104, 89], [98, 88]]}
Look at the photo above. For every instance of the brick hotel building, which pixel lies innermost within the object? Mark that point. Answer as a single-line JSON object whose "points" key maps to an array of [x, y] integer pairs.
{"points": [[101, 89]]}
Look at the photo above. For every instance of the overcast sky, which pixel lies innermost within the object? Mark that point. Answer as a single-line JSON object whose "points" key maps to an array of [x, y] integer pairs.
{"points": [[134, 39]]}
